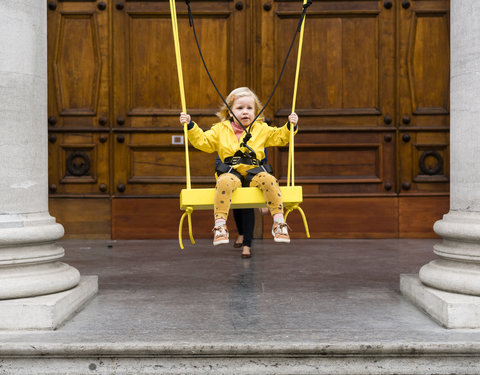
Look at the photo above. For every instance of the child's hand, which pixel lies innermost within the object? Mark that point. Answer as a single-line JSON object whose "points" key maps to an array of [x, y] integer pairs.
{"points": [[185, 118], [293, 119]]}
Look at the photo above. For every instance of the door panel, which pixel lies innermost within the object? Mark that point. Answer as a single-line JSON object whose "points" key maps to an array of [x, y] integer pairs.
{"points": [[418, 214], [341, 217], [342, 163], [79, 163], [146, 87], [424, 162], [346, 77], [83, 218], [148, 164], [78, 67], [77, 50], [424, 78]]}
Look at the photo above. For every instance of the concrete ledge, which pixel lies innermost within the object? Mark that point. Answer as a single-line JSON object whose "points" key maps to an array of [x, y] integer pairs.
{"points": [[48, 311], [280, 358], [451, 310]]}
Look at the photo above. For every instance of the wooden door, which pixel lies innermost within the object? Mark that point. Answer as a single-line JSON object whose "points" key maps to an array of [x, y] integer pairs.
{"points": [[372, 151]]}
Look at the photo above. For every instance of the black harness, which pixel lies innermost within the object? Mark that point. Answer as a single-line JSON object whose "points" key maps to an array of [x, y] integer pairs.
{"points": [[243, 158], [234, 160]]}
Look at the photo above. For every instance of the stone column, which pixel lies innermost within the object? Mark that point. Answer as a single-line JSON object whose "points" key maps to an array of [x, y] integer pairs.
{"points": [[457, 271], [29, 265]]}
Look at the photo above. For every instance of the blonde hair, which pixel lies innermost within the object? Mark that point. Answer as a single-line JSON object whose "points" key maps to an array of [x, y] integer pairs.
{"points": [[224, 113]]}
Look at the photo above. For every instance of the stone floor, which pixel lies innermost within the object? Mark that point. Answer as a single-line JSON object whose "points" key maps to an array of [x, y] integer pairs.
{"points": [[312, 295]]}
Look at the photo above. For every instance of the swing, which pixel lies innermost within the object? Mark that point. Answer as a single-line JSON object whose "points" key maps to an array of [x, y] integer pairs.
{"points": [[243, 197]]}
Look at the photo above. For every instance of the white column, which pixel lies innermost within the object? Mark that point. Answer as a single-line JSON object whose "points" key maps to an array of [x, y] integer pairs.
{"points": [[29, 256], [457, 270]]}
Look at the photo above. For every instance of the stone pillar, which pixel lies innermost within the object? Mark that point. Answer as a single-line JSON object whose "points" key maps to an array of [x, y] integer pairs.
{"points": [[29, 265], [457, 271]]}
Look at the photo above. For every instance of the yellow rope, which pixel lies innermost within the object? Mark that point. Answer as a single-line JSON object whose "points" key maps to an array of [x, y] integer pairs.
{"points": [[180, 229], [291, 158], [302, 214], [291, 167], [188, 213], [173, 12]]}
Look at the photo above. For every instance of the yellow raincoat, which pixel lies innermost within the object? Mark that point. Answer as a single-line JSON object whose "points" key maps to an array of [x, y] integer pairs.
{"points": [[221, 138]]}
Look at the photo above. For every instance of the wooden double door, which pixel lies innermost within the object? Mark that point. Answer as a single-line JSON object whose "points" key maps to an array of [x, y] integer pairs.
{"points": [[373, 101]]}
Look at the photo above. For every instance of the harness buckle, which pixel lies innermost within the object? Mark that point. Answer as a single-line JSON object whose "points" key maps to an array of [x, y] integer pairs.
{"points": [[235, 160]]}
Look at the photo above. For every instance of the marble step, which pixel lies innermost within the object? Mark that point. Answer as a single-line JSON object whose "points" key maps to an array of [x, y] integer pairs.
{"points": [[237, 358]]}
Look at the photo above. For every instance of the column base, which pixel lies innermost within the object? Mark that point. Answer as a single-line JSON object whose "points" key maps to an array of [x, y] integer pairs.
{"points": [[29, 257], [451, 310], [452, 276], [46, 312]]}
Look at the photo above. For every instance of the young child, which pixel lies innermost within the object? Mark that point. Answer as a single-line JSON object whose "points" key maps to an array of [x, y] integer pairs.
{"points": [[238, 168]]}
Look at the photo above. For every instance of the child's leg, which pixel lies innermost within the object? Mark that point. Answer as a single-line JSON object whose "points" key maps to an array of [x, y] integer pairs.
{"points": [[268, 184], [237, 215], [226, 185], [248, 225], [273, 197], [245, 221]]}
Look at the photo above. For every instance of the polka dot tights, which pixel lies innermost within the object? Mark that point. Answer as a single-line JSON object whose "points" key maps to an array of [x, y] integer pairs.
{"points": [[228, 182]]}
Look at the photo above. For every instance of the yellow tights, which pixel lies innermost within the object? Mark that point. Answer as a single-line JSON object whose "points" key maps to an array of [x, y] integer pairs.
{"points": [[228, 182]]}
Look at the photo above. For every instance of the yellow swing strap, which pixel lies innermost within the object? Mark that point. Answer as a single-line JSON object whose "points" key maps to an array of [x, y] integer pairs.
{"points": [[291, 147], [291, 159], [173, 13], [189, 210]]}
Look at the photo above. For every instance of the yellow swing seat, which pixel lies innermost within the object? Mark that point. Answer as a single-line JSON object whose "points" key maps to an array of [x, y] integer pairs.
{"points": [[245, 197]]}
